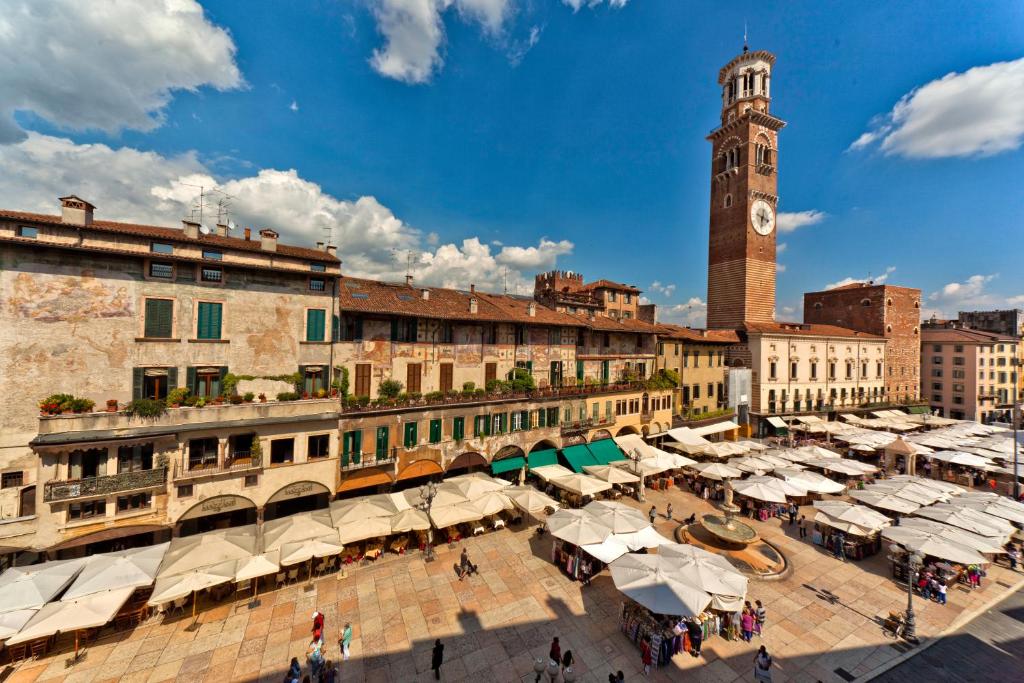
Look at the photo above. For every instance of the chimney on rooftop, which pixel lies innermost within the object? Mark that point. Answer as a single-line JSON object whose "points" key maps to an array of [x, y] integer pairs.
{"points": [[75, 211], [221, 230], [408, 281], [425, 293], [472, 305], [332, 250], [268, 239], [191, 228], [319, 246], [248, 234], [531, 309], [472, 288]]}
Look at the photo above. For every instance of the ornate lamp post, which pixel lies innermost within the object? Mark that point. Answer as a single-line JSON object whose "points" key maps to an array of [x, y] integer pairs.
{"points": [[427, 494], [635, 457], [914, 562]]}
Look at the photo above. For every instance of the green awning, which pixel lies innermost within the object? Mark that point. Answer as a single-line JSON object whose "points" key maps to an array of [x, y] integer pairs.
{"points": [[507, 464], [578, 456], [605, 451], [919, 410], [548, 456]]}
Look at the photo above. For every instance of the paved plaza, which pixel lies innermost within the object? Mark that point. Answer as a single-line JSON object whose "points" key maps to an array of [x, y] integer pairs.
{"points": [[823, 621]]}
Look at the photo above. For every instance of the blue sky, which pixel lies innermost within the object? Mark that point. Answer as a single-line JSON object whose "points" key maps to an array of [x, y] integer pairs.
{"points": [[555, 132]]}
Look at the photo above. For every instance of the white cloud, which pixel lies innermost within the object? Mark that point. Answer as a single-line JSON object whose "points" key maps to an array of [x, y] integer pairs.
{"points": [[106, 64], [693, 313], [577, 4], [780, 267], [130, 185], [974, 113], [790, 221], [959, 296], [414, 33], [877, 279], [788, 310], [294, 106], [1016, 300], [780, 247], [666, 290]]}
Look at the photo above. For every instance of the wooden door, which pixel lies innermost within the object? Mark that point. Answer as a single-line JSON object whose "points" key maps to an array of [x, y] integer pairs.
{"points": [[490, 372], [446, 377], [414, 371], [362, 379]]}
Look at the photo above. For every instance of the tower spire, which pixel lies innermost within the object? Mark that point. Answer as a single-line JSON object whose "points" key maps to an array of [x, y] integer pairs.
{"points": [[745, 47]]}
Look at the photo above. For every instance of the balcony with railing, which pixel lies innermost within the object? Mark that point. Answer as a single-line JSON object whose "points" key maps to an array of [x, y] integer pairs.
{"points": [[574, 427], [92, 487], [196, 468], [357, 461]]}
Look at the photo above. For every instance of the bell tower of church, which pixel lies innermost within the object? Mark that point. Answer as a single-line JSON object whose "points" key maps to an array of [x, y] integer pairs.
{"points": [[744, 172]]}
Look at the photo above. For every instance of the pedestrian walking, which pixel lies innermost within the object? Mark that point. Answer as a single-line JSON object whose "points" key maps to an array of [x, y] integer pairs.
{"points": [[803, 526], [315, 656], [942, 592], [346, 641], [747, 624], [463, 564], [318, 622], [566, 660], [974, 576], [645, 655], [793, 509], [760, 616], [696, 634], [668, 511], [653, 514], [437, 659], [1014, 554], [763, 665], [839, 550], [329, 672], [555, 653], [585, 571], [294, 671]]}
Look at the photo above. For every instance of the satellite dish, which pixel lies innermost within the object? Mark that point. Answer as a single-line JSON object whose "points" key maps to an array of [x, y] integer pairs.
{"points": [[204, 229], [231, 225]]}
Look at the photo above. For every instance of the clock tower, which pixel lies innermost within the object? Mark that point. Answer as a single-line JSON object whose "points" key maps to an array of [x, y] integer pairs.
{"points": [[744, 199]]}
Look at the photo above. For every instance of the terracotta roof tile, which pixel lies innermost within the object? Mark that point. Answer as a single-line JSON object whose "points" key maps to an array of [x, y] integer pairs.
{"points": [[173, 234], [961, 335], [806, 329], [608, 284], [698, 335]]}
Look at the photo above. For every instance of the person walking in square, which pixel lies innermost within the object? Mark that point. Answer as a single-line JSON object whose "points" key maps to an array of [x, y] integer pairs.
{"points": [[555, 653], [318, 622], [645, 655], [668, 512], [760, 617], [941, 593], [566, 660], [793, 509], [763, 665], [437, 659], [803, 526], [346, 641], [747, 624], [653, 514]]}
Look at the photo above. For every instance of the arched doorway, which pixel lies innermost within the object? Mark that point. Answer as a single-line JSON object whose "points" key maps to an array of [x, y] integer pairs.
{"points": [[645, 403], [365, 482], [218, 512], [109, 540], [467, 462], [600, 434], [418, 473], [628, 429], [509, 461], [543, 445], [300, 496]]}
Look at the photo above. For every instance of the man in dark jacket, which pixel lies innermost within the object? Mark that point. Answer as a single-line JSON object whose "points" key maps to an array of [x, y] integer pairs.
{"points": [[437, 659]]}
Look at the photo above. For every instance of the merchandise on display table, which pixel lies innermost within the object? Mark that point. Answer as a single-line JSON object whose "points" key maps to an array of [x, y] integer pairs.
{"points": [[854, 547], [670, 636]]}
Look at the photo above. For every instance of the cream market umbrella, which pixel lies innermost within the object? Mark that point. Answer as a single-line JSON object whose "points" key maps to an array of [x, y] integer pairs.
{"points": [[132, 568], [12, 622], [409, 520], [577, 527], [916, 493], [927, 543], [981, 544], [450, 515], [645, 538], [619, 517], [32, 587], [252, 568], [371, 527], [792, 455], [789, 488], [971, 520], [612, 475], [192, 552], [550, 472], [885, 501], [961, 458], [945, 487], [90, 611], [491, 503], [838, 465], [812, 481], [816, 452], [306, 550], [530, 500], [996, 508], [760, 491], [716, 470], [473, 486], [710, 572], [172, 587], [581, 484], [356, 509], [854, 519], [654, 583], [607, 551], [778, 461], [753, 445], [300, 527], [753, 464], [445, 494]]}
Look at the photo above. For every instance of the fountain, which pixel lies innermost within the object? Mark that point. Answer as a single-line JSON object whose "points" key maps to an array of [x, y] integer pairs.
{"points": [[737, 541]]}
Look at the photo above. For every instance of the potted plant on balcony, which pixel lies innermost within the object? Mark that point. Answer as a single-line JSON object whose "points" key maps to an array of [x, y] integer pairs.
{"points": [[256, 452], [248, 397], [177, 397], [146, 408], [263, 398], [111, 405]]}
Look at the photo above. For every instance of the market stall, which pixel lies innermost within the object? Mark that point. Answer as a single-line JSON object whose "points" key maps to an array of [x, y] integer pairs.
{"points": [[855, 526]]}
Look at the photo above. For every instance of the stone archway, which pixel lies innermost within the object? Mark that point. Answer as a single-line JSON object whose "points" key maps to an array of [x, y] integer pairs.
{"points": [[299, 496], [469, 461], [600, 434], [216, 512], [543, 445], [628, 429]]}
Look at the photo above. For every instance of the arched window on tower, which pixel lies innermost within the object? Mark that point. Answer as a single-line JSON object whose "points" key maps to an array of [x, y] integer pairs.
{"points": [[728, 201]]}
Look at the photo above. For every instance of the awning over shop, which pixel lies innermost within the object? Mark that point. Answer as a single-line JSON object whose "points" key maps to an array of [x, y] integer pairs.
{"points": [[918, 410], [420, 468], [777, 422], [605, 451], [548, 456], [578, 456], [716, 428], [363, 479], [507, 465]]}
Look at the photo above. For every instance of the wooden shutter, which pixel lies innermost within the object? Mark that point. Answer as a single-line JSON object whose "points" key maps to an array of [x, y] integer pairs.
{"points": [[137, 379], [413, 375], [490, 372], [159, 318], [209, 320], [315, 325], [579, 371], [446, 377], [382, 443], [362, 379], [190, 379], [172, 378], [435, 431]]}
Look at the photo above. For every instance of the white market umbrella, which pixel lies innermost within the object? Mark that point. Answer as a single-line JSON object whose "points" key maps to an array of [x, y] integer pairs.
{"points": [[306, 550], [647, 537], [410, 520], [817, 452], [132, 568], [32, 587], [193, 552], [914, 492], [926, 543], [90, 611], [961, 458], [788, 487], [996, 508], [885, 500], [619, 517], [491, 503], [12, 622], [710, 572], [757, 490], [754, 464], [299, 527], [577, 527], [258, 565], [608, 550], [550, 472], [862, 448], [450, 515], [356, 509], [855, 519], [371, 527], [945, 487], [971, 520], [168, 588], [812, 481], [581, 484], [792, 455], [612, 475], [753, 445], [981, 544], [474, 485], [530, 500], [846, 467], [716, 470], [650, 581]]}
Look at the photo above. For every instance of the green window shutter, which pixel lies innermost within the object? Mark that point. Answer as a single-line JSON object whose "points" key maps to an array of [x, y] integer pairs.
{"points": [[529, 366], [604, 371], [382, 443], [315, 324], [579, 370], [190, 380], [346, 447], [410, 434], [172, 378], [503, 423], [335, 328], [394, 329], [357, 443], [137, 375], [487, 425], [218, 384], [435, 431], [459, 428], [541, 415], [524, 416], [208, 321], [159, 318]]}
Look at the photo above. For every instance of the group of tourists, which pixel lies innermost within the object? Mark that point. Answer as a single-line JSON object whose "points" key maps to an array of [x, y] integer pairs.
{"points": [[321, 669]]}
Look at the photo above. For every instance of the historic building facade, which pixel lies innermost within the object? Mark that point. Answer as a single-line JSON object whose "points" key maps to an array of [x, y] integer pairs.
{"points": [[968, 374], [698, 357]]}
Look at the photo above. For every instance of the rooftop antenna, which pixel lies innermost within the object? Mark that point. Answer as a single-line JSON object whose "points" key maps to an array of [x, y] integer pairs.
{"points": [[745, 47], [505, 281], [224, 209], [409, 255], [197, 207]]}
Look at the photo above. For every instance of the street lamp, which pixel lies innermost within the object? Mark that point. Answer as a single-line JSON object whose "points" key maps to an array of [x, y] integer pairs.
{"points": [[914, 562], [636, 457], [427, 494]]}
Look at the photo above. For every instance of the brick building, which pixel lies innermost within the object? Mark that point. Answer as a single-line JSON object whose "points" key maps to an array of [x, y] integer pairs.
{"points": [[968, 374], [1009, 322], [887, 311]]}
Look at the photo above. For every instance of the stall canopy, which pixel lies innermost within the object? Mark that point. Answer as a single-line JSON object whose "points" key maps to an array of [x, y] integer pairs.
{"points": [[711, 573], [987, 546], [295, 552], [716, 428], [885, 501], [1008, 510], [778, 423], [357, 509], [927, 543], [716, 470], [688, 441], [168, 588], [191, 552], [760, 490], [530, 500], [577, 527], [34, 586], [812, 481], [605, 451], [474, 485], [508, 464], [854, 519], [89, 611], [619, 517], [258, 565], [134, 568], [548, 456], [578, 456], [581, 484], [12, 622], [410, 520], [550, 472], [655, 582], [612, 475], [450, 515], [491, 503], [296, 528], [371, 527], [971, 520], [788, 488]]}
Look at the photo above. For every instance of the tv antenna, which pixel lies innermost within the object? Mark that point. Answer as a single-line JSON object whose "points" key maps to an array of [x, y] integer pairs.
{"points": [[504, 278], [410, 254]]}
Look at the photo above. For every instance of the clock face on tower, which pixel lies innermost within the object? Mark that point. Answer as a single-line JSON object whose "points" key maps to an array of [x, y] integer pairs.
{"points": [[762, 217]]}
